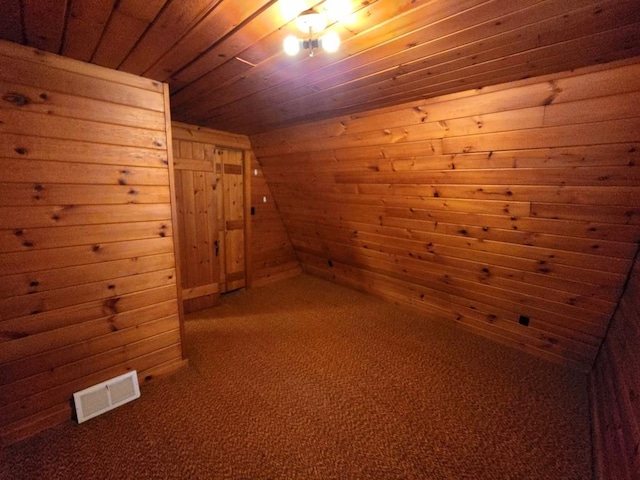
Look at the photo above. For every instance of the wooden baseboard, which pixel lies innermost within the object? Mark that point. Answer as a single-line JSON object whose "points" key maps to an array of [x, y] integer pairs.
{"points": [[161, 371], [33, 425], [262, 281]]}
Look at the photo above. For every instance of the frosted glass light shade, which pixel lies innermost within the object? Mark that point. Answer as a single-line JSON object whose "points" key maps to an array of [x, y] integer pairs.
{"points": [[310, 20], [331, 42], [291, 45]]}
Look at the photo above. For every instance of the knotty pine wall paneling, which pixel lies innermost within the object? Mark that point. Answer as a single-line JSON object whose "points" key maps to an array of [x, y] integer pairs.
{"points": [[614, 386], [269, 253], [272, 254], [491, 208], [87, 255]]}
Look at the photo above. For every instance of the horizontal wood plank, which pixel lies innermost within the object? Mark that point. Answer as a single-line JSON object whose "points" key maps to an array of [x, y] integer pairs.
{"points": [[66, 215], [22, 240], [68, 105], [112, 288], [46, 193], [33, 261], [23, 332], [27, 146], [46, 280], [23, 408], [160, 334], [482, 205], [30, 123], [88, 283]]}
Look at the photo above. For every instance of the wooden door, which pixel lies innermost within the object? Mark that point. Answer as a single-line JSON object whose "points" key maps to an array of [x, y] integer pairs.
{"points": [[196, 204], [230, 165]]}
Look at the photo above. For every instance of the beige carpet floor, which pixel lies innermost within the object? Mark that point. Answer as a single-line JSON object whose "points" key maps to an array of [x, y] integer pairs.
{"points": [[304, 379]]}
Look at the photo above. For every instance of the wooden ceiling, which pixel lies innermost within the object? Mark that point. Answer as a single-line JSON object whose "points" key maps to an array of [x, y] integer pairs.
{"points": [[224, 62]]}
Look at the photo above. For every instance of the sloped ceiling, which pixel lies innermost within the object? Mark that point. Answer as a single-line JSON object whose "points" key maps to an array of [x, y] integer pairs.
{"points": [[224, 62]]}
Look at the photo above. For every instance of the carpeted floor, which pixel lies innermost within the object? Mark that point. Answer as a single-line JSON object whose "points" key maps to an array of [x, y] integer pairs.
{"points": [[304, 379]]}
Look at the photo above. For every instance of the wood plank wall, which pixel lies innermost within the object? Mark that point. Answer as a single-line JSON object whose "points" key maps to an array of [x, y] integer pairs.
{"points": [[270, 255], [615, 391], [87, 260], [517, 200]]}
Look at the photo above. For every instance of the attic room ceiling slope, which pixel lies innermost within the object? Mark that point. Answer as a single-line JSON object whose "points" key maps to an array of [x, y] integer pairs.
{"points": [[224, 62]]}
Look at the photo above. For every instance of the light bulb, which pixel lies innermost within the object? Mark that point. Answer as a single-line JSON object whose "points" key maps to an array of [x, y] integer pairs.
{"points": [[291, 45], [331, 42]]}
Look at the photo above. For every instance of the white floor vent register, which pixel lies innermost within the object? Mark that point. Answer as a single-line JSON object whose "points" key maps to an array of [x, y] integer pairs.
{"points": [[106, 396]]}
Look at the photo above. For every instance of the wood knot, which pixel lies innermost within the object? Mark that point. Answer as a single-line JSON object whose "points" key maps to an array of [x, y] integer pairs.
{"points": [[111, 305], [16, 99]]}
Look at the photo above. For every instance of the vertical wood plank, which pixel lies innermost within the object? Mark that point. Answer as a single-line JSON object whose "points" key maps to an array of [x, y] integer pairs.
{"points": [[268, 253], [220, 158], [233, 174], [174, 212], [248, 159], [196, 211]]}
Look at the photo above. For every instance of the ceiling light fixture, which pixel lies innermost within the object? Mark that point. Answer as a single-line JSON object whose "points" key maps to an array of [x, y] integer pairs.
{"points": [[311, 22]]}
